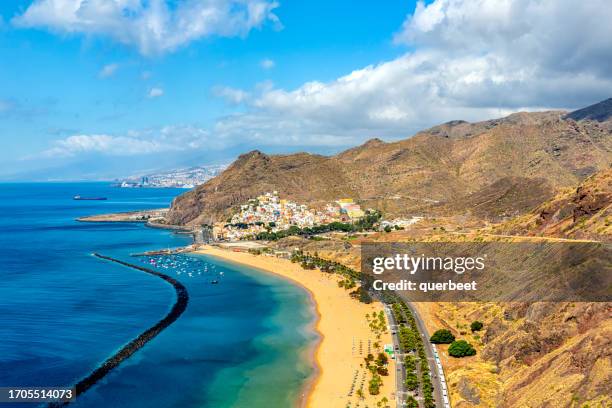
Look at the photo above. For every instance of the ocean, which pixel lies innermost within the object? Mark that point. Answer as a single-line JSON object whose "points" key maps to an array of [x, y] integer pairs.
{"points": [[240, 343]]}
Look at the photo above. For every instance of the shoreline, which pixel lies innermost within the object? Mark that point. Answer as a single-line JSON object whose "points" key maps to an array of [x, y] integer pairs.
{"points": [[149, 218], [311, 351], [338, 319]]}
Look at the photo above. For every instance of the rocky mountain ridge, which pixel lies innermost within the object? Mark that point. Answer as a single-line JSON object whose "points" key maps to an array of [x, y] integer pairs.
{"points": [[438, 167]]}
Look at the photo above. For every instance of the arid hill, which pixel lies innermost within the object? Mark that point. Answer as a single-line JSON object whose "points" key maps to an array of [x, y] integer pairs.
{"points": [[584, 212], [447, 167]]}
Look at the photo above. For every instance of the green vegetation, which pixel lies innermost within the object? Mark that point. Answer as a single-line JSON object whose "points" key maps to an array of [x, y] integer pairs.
{"points": [[361, 295], [378, 324], [442, 336], [378, 368], [348, 283], [308, 261], [366, 223], [461, 348], [374, 384], [412, 381], [411, 341], [383, 403], [314, 261], [428, 400], [476, 326], [411, 402], [408, 339]]}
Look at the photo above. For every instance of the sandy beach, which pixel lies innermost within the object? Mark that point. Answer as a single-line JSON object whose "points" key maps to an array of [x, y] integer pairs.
{"points": [[346, 337]]}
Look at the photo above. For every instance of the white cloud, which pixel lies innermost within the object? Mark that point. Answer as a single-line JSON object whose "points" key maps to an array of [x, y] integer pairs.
{"points": [[113, 145], [560, 35], [155, 92], [232, 95], [108, 70], [472, 60], [267, 63], [153, 26], [142, 142]]}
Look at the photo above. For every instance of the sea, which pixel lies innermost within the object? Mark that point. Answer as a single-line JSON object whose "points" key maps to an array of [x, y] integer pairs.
{"points": [[244, 342]]}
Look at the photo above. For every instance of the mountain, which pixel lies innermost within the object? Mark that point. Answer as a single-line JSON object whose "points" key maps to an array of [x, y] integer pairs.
{"points": [[254, 173], [583, 212], [435, 170], [504, 198], [599, 112]]}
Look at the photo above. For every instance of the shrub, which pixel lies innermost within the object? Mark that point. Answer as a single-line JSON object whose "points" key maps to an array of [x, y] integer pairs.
{"points": [[476, 326], [374, 385], [364, 296], [411, 402], [412, 382], [461, 348], [382, 359], [442, 336]]}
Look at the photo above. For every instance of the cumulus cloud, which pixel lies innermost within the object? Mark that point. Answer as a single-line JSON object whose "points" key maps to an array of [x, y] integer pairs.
{"points": [[267, 63], [470, 60], [558, 35], [141, 142], [155, 92], [153, 26], [108, 71]]}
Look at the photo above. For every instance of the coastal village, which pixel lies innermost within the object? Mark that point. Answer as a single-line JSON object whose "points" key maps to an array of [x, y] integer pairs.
{"points": [[270, 213]]}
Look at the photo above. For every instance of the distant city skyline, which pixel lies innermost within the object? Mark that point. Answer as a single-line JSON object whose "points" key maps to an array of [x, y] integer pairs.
{"points": [[109, 88]]}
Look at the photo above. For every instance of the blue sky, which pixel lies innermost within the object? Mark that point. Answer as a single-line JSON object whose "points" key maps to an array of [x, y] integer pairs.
{"points": [[108, 88]]}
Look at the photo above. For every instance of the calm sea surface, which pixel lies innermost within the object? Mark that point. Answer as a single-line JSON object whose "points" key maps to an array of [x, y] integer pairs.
{"points": [[240, 343]]}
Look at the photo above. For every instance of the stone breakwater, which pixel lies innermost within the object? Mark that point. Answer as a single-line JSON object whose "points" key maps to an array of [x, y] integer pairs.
{"points": [[182, 298]]}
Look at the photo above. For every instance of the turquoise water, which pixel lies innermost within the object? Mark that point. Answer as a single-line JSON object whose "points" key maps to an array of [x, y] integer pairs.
{"points": [[240, 343]]}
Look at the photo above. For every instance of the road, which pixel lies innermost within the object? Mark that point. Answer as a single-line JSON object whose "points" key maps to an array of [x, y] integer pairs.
{"points": [[435, 378], [400, 373]]}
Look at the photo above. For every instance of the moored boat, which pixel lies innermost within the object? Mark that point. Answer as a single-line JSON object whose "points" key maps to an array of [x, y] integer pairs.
{"points": [[81, 198]]}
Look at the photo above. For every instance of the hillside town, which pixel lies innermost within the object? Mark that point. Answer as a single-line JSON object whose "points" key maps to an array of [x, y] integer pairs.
{"points": [[270, 213], [269, 216]]}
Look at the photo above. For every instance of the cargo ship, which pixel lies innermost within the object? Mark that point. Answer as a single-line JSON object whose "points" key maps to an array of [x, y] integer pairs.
{"points": [[81, 198]]}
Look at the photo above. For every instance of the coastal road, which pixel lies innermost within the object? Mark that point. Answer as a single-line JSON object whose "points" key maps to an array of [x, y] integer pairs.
{"points": [[400, 373], [433, 369]]}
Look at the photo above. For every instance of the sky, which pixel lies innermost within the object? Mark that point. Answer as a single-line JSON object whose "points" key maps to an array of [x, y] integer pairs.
{"points": [[103, 89]]}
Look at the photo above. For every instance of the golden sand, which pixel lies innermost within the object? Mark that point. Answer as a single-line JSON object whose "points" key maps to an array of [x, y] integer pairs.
{"points": [[346, 337]]}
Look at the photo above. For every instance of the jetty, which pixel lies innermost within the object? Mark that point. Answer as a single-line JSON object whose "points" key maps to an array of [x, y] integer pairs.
{"points": [[145, 216], [169, 251], [182, 299]]}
